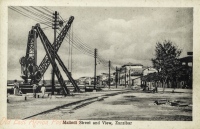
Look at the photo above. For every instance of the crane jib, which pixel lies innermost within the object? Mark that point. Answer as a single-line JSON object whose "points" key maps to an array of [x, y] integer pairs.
{"points": [[29, 65], [49, 52], [50, 47], [45, 63]]}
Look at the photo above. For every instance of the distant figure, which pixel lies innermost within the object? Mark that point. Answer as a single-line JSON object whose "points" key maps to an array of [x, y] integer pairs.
{"points": [[156, 89], [38, 88], [43, 89], [16, 87], [34, 90]]}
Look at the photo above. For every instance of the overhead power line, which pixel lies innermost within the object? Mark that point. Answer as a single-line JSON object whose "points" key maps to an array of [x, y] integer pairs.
{"points": [[46, 10], [41, 11], [38, 19], [37, 15], [44, 17], [85, 49]]}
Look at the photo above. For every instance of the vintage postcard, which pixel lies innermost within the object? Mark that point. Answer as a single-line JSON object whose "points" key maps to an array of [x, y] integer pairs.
{"points": [[103, 64]]}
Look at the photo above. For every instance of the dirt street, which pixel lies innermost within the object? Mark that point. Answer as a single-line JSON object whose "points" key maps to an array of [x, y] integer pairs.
{"points": [[131, 106]]}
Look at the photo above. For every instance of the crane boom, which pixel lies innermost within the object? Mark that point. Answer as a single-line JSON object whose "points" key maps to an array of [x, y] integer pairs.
{"points": [[45, 62], [48, 44], [28, 63], [50, 52]]}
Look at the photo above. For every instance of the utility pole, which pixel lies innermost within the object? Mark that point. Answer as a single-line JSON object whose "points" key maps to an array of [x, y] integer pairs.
{"points": [[119, 78], [71, 50], [109, 74], [125, 76], [95, 64], [55, 26], [129, 78], [116, 77]]}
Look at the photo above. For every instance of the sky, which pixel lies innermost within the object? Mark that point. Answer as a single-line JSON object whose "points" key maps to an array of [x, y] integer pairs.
{"points": [[121, 35]]}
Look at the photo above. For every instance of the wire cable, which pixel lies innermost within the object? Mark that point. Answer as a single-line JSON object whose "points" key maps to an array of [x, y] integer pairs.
{"points": [[42, 17], [46, 10], [24, 14], [41, 11]]}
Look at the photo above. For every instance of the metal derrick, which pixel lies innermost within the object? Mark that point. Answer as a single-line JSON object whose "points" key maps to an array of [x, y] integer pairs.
{"points": [[36, 74]]}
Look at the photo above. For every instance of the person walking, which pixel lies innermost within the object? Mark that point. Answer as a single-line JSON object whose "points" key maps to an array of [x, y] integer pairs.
{"points": [[34, 90], [43, 89], [16, 87]]}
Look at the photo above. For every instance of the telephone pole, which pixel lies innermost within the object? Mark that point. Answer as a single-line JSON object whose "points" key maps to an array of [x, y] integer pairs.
{"points": [[116, 77], [95, 64], [119, 78], [71, 50], [55, 26], [129, 78], [125, 76], [109, 74]]}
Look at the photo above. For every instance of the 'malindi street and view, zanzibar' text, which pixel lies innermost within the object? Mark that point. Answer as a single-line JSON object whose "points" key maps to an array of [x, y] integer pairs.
{"points": [[99, 122]]}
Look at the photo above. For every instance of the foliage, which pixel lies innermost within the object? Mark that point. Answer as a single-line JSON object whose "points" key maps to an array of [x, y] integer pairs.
{"points": [[166, 61]]}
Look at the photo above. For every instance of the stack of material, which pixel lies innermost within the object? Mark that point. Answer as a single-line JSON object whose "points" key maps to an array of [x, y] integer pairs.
{"points": [[15, 98], [161, 101]]}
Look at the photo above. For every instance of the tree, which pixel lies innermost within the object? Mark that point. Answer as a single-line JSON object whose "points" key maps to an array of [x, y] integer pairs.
{"points": [[166, 61]]}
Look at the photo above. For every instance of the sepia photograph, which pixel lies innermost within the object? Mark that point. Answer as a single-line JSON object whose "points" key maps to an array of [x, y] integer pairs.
{"points": [[100, 63]]}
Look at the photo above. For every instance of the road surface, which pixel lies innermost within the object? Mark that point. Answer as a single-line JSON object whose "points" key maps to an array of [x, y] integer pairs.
{"points": [[129, 106]]}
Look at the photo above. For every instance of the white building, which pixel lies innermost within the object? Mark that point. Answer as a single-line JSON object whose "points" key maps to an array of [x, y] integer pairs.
{"points": [[149, 70], [130, 74]]}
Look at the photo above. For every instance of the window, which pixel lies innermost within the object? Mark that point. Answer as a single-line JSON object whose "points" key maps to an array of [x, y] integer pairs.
{"points": [[190, 64], [183, 63]]}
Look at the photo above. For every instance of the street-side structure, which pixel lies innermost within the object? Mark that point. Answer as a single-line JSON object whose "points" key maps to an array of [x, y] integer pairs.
{"points": [[152, 79], [130, 74], [135, 74]]}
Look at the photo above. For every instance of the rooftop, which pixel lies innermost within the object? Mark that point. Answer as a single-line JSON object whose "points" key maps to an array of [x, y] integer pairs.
{"points": [[186, 59], [132, 64]]}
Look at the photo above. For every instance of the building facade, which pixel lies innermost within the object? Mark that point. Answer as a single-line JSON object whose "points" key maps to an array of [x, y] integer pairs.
{"points": [[130, 74]]}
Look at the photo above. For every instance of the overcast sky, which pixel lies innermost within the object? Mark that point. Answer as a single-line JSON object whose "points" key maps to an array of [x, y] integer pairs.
{"points": [[121, 35]]}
